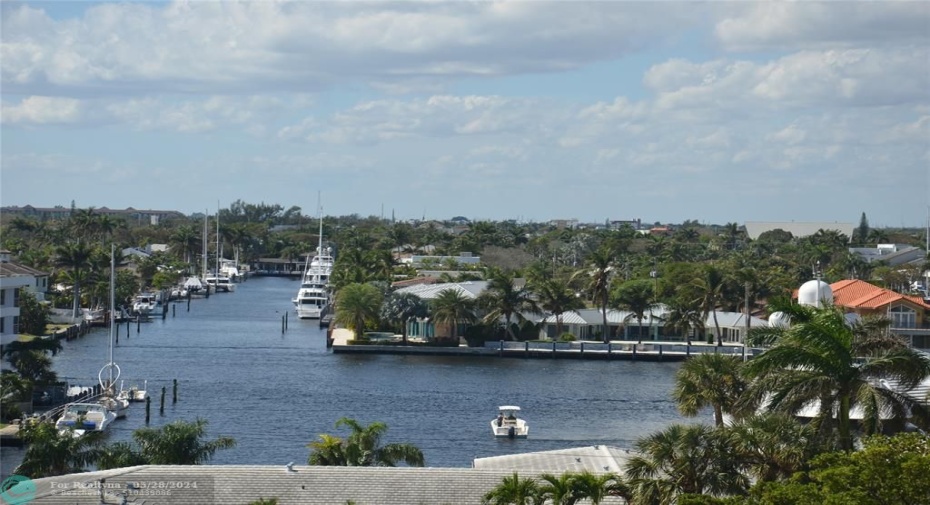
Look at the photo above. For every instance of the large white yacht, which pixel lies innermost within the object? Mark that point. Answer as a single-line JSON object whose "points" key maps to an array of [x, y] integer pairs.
{"points": [[313, 296]]}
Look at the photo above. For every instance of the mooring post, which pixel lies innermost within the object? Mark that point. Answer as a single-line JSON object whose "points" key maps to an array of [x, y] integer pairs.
{"points": [[148, 408], [286, 321], [161, 407], [634, 351], [174, 309], [174, 392], [282, 325], [117, 331], [188, 301], [139, 323]]}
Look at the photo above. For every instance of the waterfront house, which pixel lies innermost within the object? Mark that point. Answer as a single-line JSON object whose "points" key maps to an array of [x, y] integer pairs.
{"points": [[909, 315], [15, 278]]}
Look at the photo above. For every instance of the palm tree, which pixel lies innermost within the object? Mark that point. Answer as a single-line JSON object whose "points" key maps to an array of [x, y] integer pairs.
{"points": [[179, 443], [362, 448], [75, 257], [709, 380], [599, 272], [638, 297], [683, 317], [683, 459], [503, 300], [557, 490], [358, 305], [711, 287], [401, 308], [513, 490], [772, 446], [821, 357], [186, 241], [50, 452], [596, 487], [452, 307], [556, 297]]}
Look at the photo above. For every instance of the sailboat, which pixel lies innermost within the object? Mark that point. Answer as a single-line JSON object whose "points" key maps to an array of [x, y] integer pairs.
{"points": [[110, 372]]}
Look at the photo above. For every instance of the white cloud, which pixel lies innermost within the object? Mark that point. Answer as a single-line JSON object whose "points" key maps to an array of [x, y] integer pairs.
{"points": [[793, 25], [42, 110], [221, 47]]}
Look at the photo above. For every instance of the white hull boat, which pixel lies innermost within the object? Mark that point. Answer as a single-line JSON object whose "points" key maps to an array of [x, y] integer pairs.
{"points": [[84, 417], [508, 425]]}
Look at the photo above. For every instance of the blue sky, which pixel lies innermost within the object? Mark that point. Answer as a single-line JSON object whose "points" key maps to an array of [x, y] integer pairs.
{"points": [[663, 111]]}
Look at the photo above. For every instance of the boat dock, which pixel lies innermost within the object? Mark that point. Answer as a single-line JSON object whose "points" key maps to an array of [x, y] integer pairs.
{"points": [[631, 351]]}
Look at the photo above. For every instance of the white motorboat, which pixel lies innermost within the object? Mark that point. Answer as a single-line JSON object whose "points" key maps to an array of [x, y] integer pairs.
{"points": [[84, 417], [229, 268], [135, 393], [145, 304], [508, 425], [220, 283]]}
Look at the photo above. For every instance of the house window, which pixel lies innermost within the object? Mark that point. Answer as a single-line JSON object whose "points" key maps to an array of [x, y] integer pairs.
{"points": [[2, 325], [16, 297], [902, 317], [2, 297], [15, 324]]}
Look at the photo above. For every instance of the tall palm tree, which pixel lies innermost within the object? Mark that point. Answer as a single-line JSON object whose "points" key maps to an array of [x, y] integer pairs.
{"points": [[683, 459], [75, 258], [513, 490], [401, 308], [186, 240], [599, 272], [502, 299], [358, 305], [452, 307], [638, 297], [710, 287], [821, 357], [556, 297], [50, 452], [709, 380], [362, 447]]}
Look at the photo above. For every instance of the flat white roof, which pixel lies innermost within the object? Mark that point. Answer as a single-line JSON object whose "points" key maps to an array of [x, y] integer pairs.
{"points": [[508, 407]]}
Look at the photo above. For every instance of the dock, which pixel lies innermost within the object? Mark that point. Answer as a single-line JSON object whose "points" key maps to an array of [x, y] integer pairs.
{"points": [[630, 351]]}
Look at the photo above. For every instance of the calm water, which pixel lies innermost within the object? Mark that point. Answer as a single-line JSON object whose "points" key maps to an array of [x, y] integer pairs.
{"points": [[276, 392]]}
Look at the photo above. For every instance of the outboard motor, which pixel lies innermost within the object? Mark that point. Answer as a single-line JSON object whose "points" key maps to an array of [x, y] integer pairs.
{"points": [[511, 432]]}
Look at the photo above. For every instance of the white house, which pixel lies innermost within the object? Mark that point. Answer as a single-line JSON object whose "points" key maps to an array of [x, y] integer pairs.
{"points": [[13, 278]]}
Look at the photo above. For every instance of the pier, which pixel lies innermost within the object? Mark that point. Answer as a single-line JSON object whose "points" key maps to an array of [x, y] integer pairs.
{"points": [[619, 350]]}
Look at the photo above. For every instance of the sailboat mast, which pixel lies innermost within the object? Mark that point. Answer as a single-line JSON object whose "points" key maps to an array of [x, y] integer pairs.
{"points": [[216, 265], [112, 311], [203, 263], [319, 206]]}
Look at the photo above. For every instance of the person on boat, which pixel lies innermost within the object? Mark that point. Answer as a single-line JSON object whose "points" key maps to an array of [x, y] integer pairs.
{"points": [[511, 417], [500, 419]]}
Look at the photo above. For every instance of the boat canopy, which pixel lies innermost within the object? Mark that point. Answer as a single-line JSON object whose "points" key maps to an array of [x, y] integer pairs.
{"points": [[509, 407]]}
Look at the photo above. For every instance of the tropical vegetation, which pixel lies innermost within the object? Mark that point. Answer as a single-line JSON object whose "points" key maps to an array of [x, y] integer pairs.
{"points": [[362, 447]]}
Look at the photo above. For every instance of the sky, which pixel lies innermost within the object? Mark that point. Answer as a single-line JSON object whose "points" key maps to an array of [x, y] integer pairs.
{"points": [[494, 110]]}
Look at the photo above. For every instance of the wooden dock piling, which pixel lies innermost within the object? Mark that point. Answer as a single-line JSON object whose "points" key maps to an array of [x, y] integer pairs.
{"points": [[174, 392], [148, 408], [161, 407]]}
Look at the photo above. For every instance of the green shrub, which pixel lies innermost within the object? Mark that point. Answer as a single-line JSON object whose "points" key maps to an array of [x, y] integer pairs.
{"points": [[566, 337]]}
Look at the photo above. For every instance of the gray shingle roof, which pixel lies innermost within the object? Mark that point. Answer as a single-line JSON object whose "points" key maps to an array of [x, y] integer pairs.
{"points": [[241, 484], [595, 459]]}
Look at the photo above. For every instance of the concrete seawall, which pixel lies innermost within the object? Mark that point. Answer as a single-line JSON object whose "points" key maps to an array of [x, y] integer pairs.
{"points": [[557, 350]]}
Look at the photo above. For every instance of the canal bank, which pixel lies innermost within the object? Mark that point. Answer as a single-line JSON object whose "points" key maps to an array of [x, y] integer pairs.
{"points": [[275, 391]]}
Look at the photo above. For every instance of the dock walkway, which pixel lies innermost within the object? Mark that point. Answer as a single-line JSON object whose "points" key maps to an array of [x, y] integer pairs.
{"points": [[617, 350]]}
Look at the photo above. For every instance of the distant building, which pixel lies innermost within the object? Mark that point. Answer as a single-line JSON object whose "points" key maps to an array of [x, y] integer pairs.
{"points": [[892, 254], [909, 315], [756, 228], [464, 258], [562, 224], [14, 279]]}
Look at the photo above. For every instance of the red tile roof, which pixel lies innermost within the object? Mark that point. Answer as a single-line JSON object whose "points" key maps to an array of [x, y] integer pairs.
{"points": [[854, 293]]}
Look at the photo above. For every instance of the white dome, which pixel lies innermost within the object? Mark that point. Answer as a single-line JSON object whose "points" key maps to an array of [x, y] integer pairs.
{"points": [[779, 320], [852, 318], [812, 293]]}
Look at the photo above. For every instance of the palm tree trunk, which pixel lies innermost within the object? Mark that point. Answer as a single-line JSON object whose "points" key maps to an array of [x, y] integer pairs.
{"points": [[718, 416], [76, 303], [640, 329], [717, 327], [558, 326], [604, 313], [843, 419]]}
